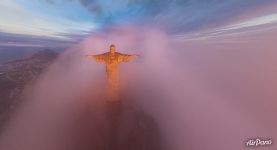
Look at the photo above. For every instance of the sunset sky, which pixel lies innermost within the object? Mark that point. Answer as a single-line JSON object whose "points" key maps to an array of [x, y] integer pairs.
{"points": [[70, 20]]}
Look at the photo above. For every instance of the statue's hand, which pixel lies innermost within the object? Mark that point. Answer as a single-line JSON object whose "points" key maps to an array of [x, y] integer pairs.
{"points": [[91, 57], [137, 55]]}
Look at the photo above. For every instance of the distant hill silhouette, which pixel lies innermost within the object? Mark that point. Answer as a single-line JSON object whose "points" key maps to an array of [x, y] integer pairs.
{"points": [[15, 53]]}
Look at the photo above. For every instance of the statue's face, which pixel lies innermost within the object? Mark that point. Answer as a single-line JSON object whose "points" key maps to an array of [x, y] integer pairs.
{"points": [[112, 49]]}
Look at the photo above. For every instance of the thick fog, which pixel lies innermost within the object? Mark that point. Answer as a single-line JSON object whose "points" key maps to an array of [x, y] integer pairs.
{"points": [[205, 94]]}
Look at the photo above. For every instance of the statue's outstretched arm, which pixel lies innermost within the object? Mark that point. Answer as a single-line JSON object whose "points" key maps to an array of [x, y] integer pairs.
{"points": [[98, 58], [127, 58]]}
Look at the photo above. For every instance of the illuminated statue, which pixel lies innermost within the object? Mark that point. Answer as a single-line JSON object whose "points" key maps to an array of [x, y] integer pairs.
{"points": [[112, 60]]}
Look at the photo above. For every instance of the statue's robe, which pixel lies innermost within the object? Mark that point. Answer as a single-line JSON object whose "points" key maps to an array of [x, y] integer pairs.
{"points": [[112, 61]]}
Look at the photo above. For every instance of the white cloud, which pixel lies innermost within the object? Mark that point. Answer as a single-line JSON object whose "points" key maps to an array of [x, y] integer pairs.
{"points": [[17, 19], [251, 25], [263, 20]]}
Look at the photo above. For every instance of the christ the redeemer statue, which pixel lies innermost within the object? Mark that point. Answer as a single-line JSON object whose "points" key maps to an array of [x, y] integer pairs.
{"points": [[112, 60]]}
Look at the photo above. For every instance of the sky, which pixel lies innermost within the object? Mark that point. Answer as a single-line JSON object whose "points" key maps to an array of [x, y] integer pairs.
{"points": [[24, 21]]}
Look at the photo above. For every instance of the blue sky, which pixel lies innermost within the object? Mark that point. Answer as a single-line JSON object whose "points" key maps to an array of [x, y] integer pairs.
{"points": [[70, 20], [40, 18]]}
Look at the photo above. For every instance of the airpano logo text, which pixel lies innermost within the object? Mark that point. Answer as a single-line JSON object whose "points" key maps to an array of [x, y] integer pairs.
{"points": [[258, 142]]}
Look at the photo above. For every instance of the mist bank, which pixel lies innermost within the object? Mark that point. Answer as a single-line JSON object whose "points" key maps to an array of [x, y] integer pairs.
{"points": [[204, 94]]}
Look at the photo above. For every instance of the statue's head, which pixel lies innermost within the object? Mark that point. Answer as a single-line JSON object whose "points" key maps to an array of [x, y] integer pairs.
{"points": [[112, 48]]}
